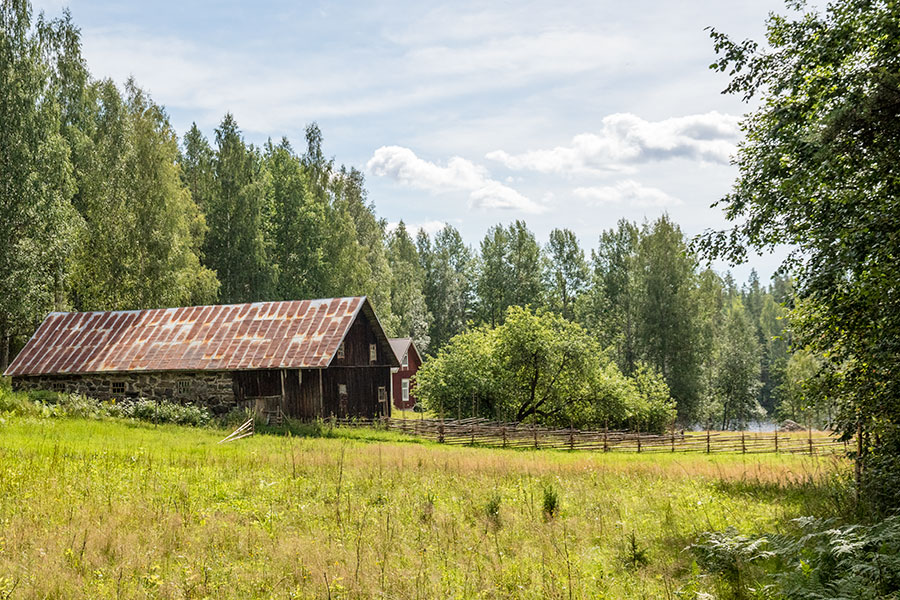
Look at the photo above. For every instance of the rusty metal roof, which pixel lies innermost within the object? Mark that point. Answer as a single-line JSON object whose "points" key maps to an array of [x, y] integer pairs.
{"points": [[262, 335]]}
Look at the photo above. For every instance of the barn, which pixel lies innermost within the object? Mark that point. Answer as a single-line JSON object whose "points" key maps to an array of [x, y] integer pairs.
{"points": [[303, 359]]}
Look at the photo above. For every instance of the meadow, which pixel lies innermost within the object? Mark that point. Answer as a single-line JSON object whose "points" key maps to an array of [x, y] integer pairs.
{"points": [[111, 508]]}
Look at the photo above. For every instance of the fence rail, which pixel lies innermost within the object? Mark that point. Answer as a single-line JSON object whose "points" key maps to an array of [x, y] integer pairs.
{"points": [[482, 432]]}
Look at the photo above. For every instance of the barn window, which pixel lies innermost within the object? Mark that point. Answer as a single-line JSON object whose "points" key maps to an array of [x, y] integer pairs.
{"points": [[340, 352], [404, 387], [405, 362], [59, 387], [117, 387], [373, 352], [183, 386], [342, 389], [382, 394]]}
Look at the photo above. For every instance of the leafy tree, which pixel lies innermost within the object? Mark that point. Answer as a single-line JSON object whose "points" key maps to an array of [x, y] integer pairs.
{"points": [[666, 331], [447, 263], [407, 283], [524, 258], [817, 172], [140, 243], [609, 308], [37, 222], [738, 368], [542, 368], [795, 401], [565, 272], [237, 246], [297, 226], [492, 283]]}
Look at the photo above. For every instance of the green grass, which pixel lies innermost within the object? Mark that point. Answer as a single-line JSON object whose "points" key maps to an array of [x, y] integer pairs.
{"points": [[114, 509]]}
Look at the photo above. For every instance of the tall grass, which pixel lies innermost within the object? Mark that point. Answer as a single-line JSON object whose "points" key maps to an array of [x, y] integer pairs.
{"points": [[115, 509]]}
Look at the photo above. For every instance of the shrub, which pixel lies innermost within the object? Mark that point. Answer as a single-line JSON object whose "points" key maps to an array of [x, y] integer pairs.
{"points": [[492, 509], [167, 412], [551, 502]]}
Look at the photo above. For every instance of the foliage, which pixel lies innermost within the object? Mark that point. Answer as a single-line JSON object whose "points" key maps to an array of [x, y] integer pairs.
{"points": [[819, 560], [538, 366], [47, 404], [737, 374], [565, 272], [37, 223], [817, 174]]}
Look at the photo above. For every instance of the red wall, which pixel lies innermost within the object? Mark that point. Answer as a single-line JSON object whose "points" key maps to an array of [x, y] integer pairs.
{"points": [[414, 362]]}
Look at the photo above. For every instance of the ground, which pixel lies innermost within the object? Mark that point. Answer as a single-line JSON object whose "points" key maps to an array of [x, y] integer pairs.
{"points": [[115, 509]]}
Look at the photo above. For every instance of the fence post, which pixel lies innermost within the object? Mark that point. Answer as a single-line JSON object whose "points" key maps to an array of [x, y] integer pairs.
{"points": [[707, 439], [810, 440], [743, 444], [534, 432], [503, 431], [776, 438], [571, 437], [472, 432], [441, 432], [606, 437], [673, 436], [639, 437]]}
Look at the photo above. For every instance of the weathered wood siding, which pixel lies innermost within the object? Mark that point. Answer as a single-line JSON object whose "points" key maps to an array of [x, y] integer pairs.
{"points": [[301, 387]]}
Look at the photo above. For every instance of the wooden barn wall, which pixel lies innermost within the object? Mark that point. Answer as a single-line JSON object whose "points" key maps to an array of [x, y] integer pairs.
{"points": [[362, 391]]}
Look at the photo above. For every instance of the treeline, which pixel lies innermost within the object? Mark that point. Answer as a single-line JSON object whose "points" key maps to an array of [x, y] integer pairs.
{"points": [[723, 350], [104, 208]]}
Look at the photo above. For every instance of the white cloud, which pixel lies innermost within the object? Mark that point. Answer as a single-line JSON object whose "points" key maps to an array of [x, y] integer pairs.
{"points": [[627, 192], [460, 174], [626, 139]]}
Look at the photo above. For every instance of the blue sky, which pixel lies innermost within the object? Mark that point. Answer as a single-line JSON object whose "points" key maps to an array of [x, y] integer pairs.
{"points": [[568, 114]]}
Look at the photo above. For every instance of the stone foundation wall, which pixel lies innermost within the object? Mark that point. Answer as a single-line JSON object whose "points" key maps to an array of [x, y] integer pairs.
{"points": [[211, 389]]}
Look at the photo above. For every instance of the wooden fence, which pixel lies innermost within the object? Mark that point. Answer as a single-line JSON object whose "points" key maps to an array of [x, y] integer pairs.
{"points": [[481, 432]]}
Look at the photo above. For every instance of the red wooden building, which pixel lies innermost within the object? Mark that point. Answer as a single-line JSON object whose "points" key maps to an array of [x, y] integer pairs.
{"points": [[402, 385]]}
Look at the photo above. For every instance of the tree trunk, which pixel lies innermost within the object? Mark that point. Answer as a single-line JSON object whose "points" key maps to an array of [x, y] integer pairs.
{"points": [[4, 346]]}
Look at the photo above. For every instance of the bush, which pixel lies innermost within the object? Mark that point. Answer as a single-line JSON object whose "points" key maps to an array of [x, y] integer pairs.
{"points": [[167, 412], [40, 403]]}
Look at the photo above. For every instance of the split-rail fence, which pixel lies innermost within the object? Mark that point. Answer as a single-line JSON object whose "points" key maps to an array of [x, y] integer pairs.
{"points": [[482, 432]]}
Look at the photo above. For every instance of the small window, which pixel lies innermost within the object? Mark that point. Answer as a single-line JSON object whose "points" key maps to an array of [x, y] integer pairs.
{"points": [[382, 394], [59, 387], [373, 352], [117, 387], [183, 386], [404, 388], [342, 389], [405, 362], [340, 352]]}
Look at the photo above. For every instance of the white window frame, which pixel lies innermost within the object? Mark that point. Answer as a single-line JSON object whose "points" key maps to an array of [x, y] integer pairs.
{"points": [[382, 394], [405, 362], [404, 389], [342, 389], [373, 352]]}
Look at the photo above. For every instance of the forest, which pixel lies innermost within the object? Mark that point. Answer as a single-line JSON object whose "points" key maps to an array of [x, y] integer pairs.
{"points": [[132, 215]]}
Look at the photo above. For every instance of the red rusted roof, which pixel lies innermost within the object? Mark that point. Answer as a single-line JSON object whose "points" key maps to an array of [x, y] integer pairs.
{"points": [[262, 335]]}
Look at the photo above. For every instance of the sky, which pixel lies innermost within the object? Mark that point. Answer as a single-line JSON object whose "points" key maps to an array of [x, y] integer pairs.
{"points": [[564, 114]]}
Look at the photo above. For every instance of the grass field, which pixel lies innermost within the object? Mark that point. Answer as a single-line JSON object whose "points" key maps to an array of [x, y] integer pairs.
{"points": [[113, 509]]}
